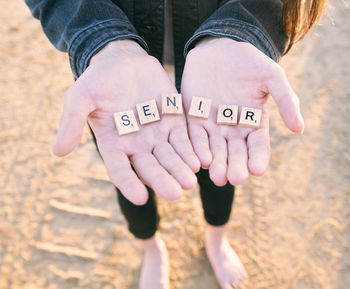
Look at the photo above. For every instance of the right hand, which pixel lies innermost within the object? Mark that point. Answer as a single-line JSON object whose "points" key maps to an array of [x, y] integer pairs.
{"points": [[119, 76], [233, 72]]}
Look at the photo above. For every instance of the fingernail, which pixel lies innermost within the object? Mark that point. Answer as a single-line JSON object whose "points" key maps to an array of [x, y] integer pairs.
{"points": [[51, 152], [302, 123]]}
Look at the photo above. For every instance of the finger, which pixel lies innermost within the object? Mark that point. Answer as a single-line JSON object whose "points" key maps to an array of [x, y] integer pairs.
{"points": [[122, 175], [237, 171], [171, 161], [199, 139], [75, 112], [181, 143], [258, 143], [286, 100], [155, 176], [218, 167], [239, 283]]}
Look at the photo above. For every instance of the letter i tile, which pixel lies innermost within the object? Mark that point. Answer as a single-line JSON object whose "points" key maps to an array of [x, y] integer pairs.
{"points": [[200, 107]]}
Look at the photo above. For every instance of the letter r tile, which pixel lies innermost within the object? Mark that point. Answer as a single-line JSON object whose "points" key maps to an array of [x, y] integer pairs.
{"points": [[200, 107], [227, 114], [171, 103], [147, 111], [125, 122], [250, 117]]}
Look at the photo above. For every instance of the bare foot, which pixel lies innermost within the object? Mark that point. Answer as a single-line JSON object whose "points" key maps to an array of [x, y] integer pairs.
{"points": [[155, 267], [228, 269]]}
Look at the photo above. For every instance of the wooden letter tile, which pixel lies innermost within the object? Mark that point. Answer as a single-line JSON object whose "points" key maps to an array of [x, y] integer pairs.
{"points": [[250, 117], [171, 103], [148, 111], [125, 122], [200, 107], [227, 114]]}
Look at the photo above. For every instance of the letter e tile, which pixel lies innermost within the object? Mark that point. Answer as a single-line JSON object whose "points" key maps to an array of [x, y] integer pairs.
{"points": [[148, 111]]}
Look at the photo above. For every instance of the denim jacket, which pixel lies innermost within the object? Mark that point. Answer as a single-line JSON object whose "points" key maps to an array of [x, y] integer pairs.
{"points": [[83, 27]]}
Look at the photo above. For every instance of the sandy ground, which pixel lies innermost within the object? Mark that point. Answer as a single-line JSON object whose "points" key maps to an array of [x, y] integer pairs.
{"points": [[61, 228]]}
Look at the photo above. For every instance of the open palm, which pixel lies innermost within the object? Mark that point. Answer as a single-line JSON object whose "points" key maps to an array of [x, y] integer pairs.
{"points": [[121, 75], [231, 72]]}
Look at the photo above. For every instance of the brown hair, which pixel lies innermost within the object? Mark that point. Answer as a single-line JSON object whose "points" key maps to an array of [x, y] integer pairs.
{"points": [[299, 16]]}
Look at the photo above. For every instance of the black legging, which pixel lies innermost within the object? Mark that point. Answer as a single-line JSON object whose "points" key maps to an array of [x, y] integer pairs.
{"points": [[143, 220]]}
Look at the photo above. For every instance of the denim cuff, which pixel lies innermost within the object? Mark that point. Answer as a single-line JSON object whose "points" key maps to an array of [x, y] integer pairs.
{"points": [[90, 40], [237, 30]]}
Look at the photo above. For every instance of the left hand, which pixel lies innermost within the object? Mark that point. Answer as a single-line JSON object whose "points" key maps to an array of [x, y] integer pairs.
{"points": [[120, 76], [231, 72]]}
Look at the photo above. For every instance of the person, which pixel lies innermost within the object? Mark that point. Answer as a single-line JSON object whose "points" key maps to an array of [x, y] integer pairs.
{"points": [[223, 50]]}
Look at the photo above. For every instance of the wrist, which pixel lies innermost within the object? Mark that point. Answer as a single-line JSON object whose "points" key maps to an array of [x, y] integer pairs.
{"points": [[118, 48], [213, 40]]}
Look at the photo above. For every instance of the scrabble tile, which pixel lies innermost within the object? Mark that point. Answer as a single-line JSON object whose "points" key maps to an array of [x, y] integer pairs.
{"points": [[200, 107], [227, 114], [171, 103], [148, 111], [250, 117], [125, 122]]}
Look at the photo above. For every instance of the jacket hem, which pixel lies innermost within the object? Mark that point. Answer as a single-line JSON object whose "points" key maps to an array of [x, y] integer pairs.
{"points": [[93, 38], [236, 30]]}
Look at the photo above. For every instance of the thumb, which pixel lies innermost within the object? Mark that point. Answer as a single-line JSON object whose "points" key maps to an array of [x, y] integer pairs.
{"points": [[286, 100], [75, 112]]}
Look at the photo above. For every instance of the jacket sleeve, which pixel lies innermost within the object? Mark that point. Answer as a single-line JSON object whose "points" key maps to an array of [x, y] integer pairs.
{"points": [[258, 22], [82, 27]]}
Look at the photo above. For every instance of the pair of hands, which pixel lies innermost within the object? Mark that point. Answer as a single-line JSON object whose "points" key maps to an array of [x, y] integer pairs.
{"points": [[167, 153]]}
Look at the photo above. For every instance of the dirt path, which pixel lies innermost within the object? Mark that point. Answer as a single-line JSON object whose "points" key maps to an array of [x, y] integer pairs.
{"points": [[60, 226]]}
